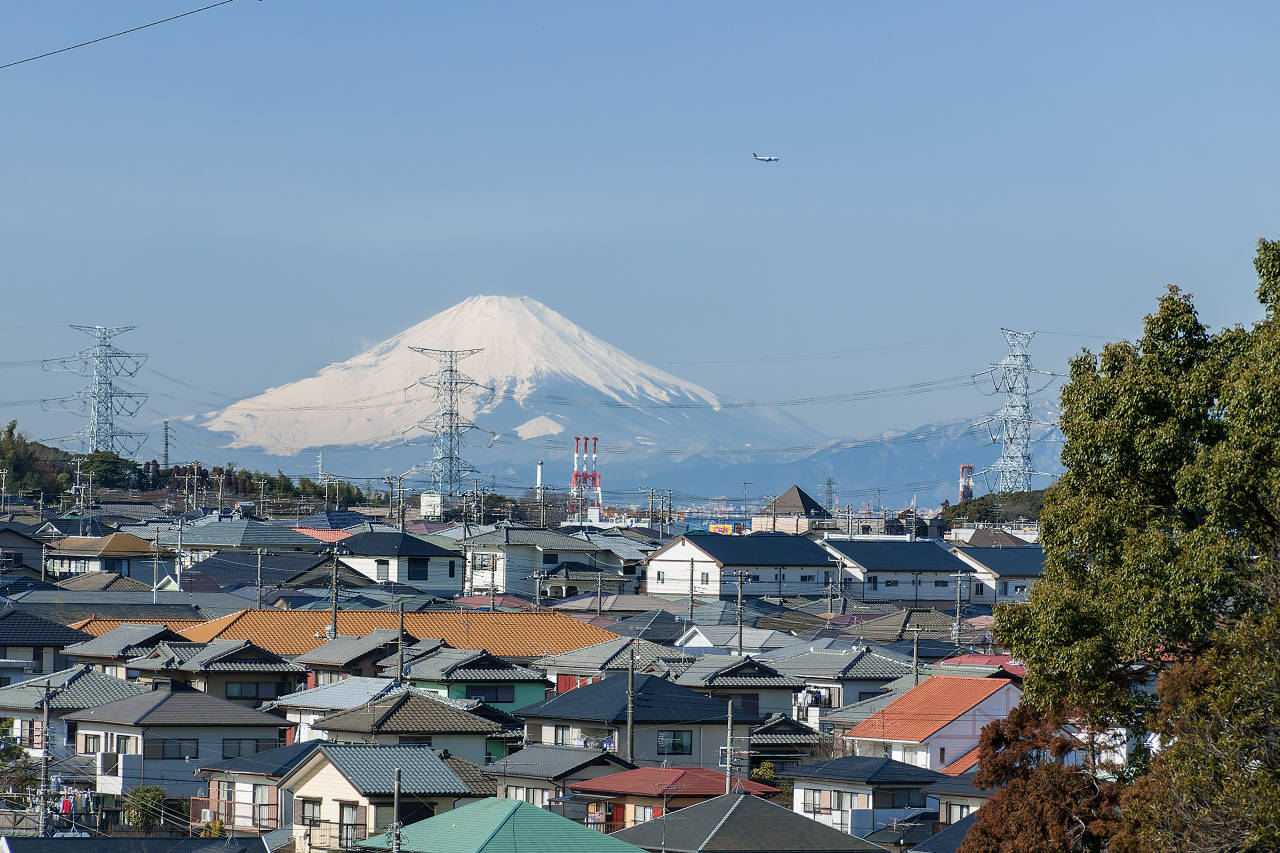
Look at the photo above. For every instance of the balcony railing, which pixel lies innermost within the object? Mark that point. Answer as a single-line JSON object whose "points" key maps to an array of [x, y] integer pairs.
{"points": [[233, 814], [328, 835]]}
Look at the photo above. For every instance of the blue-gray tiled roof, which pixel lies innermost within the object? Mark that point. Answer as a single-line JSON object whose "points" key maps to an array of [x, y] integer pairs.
{"points": [[371, 769]]}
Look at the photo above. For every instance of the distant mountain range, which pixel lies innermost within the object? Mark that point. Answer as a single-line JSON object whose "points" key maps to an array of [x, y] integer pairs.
{"points": [[542, 380]]}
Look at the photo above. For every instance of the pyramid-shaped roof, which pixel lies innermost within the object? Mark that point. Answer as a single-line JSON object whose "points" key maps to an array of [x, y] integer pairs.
{"points": [[794, 501]]}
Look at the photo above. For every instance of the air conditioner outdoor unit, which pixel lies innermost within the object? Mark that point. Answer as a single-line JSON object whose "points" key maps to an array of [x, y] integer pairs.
{"points": [[206, 815]]}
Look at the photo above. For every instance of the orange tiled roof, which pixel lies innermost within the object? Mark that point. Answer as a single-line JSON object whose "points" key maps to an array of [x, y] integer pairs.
{"points": [[97, 627], [295, 632], [963, 764], [929, 706], [324, 535]]}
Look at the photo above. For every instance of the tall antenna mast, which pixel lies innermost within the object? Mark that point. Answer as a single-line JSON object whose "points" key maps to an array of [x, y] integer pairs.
{"points": [[102, 401], [448, 468], [164, 464]]}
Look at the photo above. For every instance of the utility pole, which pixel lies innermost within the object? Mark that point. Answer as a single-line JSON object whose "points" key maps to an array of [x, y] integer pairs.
{"points": [[599, 591], [537, 590], [631, 698], [221, 478], [395, 813], [155, 569], [728, 751], [400, 657], [164, 459], [259, 578], [666, 516], [4, 479], [650, 506], [262, 501], [955, 625], [915, 652], [177, 560], [691, 589], [44, 761], [740, 576], [44, 550], [333, 594]]}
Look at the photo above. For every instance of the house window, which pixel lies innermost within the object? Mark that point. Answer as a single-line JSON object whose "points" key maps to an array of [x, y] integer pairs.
{"points": [[310, 812], [705, 578], [383, 569], [417, 568], [562, 736], [900, 799], [236, 747], [255, 689], [119, 744], [957, 812], [350, 824], [415, 740], [29, 734], [1004, 587], [170, 749], [492, 692], [675, 742], [1018, 590], [941, 583], [891, 583], [452, 567], [549, 559], [662, 576], [873, 582], [942, 756], [808, 578], [745, 703], [980, 588], [92, 744]]}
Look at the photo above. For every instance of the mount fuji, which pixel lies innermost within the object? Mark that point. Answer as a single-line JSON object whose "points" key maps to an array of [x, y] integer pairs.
{"points": [[543, 380]]}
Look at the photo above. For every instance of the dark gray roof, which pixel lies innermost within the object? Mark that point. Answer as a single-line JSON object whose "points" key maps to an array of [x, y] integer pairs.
{"points": [[548, 761], [656, 701], [347, 693], [862, 663], [1021, 562], [370, 769], [740, 823], [394, 545], [911, 829], [341, 651], [474, 775], [175, 708], [726, 636], [962, 785], [26, 531], [20, 627], [779, 550], [725, 671], [949, 839], [333, 519], [116, 642], [865, 769], [215, 656], [407, 711], [921, 555], [103, 581], [228, 568], [448, 665], [794, 501], [271, 762], [613, 654], [547, 540], [73, 689], [658, 626], [216, 531]]}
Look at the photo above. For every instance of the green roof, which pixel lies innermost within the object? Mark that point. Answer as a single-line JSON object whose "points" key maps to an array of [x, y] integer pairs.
{"points": [[495, 825]]}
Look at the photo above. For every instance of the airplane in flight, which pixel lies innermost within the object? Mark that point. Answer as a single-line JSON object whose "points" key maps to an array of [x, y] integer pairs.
{"points": [[766, 158]]}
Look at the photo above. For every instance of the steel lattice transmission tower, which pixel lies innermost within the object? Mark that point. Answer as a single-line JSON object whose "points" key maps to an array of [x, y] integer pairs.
{"points": [[1014, 469], [103, 400], [448, 469]]}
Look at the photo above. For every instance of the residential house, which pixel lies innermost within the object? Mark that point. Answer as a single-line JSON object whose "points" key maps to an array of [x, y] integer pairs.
{"points": [[858, 794], [620, 606], [244, 794], [343, 657], [835, 677], [343, 793], [386, 666], [754, 640], [305, 707], [212, 533], [915, 570], [401, 558], [588, 664], [36, 645], [516, 636], [741, 823], [656, 626], [541, 773], [72, 524], [755, 688], [939, 718], [949, 839], [233, 568], [96, 581], [915, 827], [500, 826], [759, 613], [120, 553], [625, 799], [793, 512], [672, 724], [238, 670], [147, 738], [1002, 573], [407, 716], [476, 674], [709, 564], [508, 558], [571, 578], [111, 652], [956, 797], [70, 690], [19, 546], [784, 742]]}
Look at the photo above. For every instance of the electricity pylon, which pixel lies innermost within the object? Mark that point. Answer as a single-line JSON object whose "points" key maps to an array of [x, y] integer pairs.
{"points": [[447, 467], [103, 400]]}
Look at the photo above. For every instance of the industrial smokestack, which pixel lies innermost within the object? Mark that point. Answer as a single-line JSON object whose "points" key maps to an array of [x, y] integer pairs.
{"points": [[539, 475]]}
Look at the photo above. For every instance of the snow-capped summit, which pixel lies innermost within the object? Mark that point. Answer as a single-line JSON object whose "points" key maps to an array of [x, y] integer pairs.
{"points": [[548, 376]]}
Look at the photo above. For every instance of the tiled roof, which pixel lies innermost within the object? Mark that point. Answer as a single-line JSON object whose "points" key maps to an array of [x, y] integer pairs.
{"points": [[416, 651], [97, 627], [627, 548], [294, 632], [795, 501], [343, 650], [327, 536], [866, 769], [271, 762], [858, 711], [215, 656], [741, 823], [505, 601], [656, 701], [920, 555], [103, 580], [625, 602], [963, 764], [73, 689], [780, 550], [658, 626], [913, 827], [20, 628], [613, 654], [1005, 662], [723, 671], [448, 665], [549, 761], [480, 783], [395, 545], [370, 769], [340, 695], [214, 531], [497, 825], [894, 626], [726, 636], [547, 540], [948, 839], [115, 544], [333, 519], [688, 781], [780, 729], [175, 708], [1026, 561], [856, 664], [921, 711], [240, 567], [128, 635], [406, 711]]}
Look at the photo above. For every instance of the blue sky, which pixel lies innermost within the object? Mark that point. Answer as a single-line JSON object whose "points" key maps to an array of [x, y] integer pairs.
{"points": [[268, 187]]}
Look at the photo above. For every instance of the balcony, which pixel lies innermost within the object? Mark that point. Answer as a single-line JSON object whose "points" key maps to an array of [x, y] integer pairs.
{"points": [[328, 835], [240, 816]]}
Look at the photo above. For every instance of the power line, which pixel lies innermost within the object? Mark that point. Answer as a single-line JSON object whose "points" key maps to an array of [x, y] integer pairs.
{"points": [[115, 35]]}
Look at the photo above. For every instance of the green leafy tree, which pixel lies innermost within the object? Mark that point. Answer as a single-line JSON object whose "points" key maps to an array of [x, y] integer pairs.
{"points": [[143, 807], [17, 770]]}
